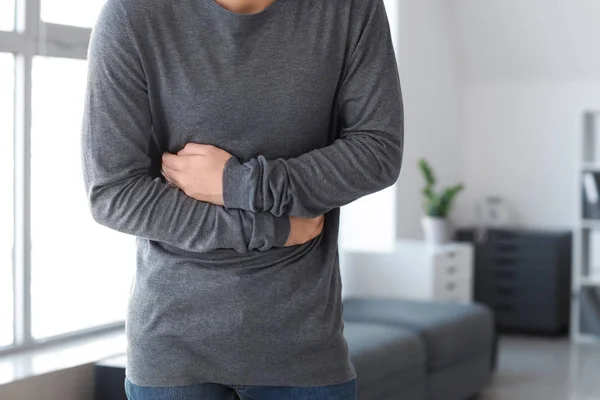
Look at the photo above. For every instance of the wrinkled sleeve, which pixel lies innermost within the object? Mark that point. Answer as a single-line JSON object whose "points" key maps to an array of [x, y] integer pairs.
{"points": [[115, 141], [365, 158]]}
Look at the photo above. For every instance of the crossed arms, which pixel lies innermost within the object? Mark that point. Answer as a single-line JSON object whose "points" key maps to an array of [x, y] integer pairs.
{"points": [[210, 200]]}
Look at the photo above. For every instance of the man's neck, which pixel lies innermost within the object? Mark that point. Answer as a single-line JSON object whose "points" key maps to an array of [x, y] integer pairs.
{"points": [[245, 6]]}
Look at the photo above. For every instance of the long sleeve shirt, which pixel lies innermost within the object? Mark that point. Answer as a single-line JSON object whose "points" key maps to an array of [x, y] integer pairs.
{"points": [[306, 97]]}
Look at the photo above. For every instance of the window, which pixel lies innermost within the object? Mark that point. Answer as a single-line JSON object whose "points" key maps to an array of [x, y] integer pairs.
{"points": [[7, 15], [80, 269], [7, 73], [80, 13], [61, 273]]}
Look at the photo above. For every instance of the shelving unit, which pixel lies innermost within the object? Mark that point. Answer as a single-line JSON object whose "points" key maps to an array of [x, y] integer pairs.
{"points": [[590, 166], [589, 224], [586, 256], [590, 281]]}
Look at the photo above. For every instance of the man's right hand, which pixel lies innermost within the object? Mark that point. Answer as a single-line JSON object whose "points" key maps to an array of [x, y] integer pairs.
{"points": [[303, 230]]}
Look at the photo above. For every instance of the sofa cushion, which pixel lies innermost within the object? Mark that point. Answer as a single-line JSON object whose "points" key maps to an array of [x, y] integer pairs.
{"points": [[383, 354], [451, 332]]}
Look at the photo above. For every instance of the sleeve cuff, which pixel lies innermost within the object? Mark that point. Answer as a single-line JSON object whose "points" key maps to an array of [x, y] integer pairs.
{"points": [[282, 230], [237, 185], [268, 231]]}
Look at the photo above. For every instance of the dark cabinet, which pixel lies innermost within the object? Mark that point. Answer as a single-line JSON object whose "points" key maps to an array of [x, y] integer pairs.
{"points": [[524, 276], [109, 377]]}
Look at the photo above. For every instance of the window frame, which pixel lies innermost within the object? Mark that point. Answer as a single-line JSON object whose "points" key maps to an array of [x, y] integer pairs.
{"points": [[33, 37]]}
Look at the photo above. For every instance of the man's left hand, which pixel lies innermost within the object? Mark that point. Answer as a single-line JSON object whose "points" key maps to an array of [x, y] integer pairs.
{"points": [[197, 170]]}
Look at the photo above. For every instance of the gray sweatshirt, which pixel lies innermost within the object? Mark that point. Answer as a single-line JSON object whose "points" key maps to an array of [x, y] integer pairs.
{"points": [[306, 96]]}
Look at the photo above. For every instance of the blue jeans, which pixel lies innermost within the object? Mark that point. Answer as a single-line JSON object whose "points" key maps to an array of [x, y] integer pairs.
{"points": [[214, 391]]}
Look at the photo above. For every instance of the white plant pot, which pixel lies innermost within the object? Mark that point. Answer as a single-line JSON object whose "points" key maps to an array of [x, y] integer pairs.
{"points": [[436, 230]]}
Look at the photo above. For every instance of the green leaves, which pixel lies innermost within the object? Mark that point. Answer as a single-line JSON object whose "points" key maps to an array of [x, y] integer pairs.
{"points": [[427, 172], [437, 205]]}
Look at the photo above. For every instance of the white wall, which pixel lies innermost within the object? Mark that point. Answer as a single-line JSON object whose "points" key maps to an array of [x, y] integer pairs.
{"points": [[521, 142], [529, 71], [527, 40], [432, 90]]}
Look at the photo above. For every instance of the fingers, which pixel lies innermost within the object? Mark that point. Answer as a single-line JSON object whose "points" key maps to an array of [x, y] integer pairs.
{"points": [[303, 230], [320, 226], [171, 175], [318, 223], [173, 161]]}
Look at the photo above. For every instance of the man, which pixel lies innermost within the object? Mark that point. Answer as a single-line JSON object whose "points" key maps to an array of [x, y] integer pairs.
{"points": [[226, 135]]}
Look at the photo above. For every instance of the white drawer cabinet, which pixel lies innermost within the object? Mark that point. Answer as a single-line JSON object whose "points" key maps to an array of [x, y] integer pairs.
{"points": [[414, 270]]}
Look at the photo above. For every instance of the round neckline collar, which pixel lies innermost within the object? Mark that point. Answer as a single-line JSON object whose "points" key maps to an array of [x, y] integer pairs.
{"points": [[231, 14]]}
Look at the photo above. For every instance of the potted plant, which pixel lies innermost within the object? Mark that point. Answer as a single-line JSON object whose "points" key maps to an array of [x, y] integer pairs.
{"points": [[437, 207]]}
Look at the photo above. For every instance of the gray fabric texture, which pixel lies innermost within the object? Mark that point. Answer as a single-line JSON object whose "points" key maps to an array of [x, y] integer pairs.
{"points": [[306, 96], [382, 354], [451, 332]]}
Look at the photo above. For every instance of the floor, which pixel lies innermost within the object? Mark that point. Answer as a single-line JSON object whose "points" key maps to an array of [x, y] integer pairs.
{"points": [[532, 368]]}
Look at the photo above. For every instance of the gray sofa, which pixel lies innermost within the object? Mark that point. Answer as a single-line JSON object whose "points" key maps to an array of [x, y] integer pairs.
{"points": [[410, 350]]}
